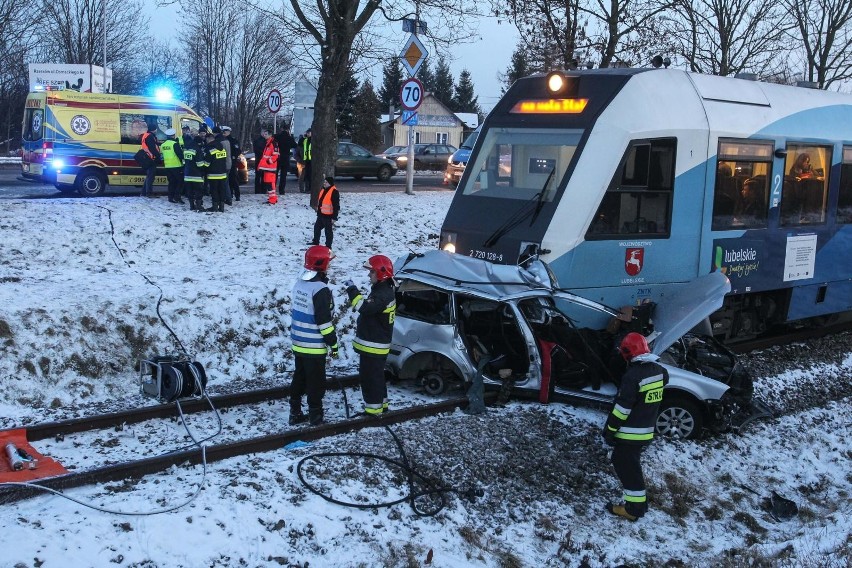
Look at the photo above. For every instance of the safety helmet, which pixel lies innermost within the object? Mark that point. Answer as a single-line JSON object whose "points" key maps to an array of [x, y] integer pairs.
{"points": [[633, 345], [317, 258], [381, 265]]}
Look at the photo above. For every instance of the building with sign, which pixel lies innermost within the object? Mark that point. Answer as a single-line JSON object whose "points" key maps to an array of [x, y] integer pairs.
{"points": [[434, 123]]}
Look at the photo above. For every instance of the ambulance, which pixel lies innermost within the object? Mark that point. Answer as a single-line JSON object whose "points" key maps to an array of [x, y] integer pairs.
{"points": [[85, 142]]}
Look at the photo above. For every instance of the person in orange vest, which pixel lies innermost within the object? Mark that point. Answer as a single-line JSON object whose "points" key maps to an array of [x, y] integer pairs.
{"points": [[328, 208], [268, 167], [151, 146]]}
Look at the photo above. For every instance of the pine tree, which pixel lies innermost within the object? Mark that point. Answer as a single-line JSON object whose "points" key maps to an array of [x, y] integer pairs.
{"points": [[426, 76], [465, 100], [391, 83], [443, 82], [344, 106], [368, 109], [520, 67]]}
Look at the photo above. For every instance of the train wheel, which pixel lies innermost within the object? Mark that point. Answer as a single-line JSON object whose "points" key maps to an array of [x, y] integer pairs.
{"points": [[679, 418], [434, 383]]}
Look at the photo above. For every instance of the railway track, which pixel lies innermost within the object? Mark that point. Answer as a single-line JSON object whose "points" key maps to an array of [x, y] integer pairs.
{"points": [[803, 334]]}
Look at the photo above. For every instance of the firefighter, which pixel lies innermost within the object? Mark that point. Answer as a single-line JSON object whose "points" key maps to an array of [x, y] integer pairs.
{"points": [[268, 166], [328, 208], [217, 172], [630, 426], [236, 152], [373, 332], [173, 162], [313, 336], [194, 162]]}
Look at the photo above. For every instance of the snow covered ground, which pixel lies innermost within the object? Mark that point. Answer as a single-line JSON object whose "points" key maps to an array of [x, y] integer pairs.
{"points": [[81, 285]]}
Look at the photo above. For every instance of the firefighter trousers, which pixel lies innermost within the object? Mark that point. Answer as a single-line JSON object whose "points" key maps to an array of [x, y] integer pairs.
{"points": [[371, 373], [628, 467], [308, 378]]}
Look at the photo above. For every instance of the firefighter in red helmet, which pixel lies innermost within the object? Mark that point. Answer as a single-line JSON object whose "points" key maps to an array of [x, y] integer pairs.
{"points": [[630, 426], [313, 335], [374, 331]]}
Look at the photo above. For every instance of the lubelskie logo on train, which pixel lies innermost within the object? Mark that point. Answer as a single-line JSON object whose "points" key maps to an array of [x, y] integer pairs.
{"points": [[634, 259]]}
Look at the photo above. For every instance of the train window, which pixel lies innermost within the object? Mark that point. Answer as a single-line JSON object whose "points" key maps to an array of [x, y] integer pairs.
{"points": [[638, 201], [741, 193], [804, 195], [519, 163], [844, 203]]}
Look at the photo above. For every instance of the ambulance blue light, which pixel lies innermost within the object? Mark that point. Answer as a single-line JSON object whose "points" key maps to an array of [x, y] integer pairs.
{"points": [[163, 94]]}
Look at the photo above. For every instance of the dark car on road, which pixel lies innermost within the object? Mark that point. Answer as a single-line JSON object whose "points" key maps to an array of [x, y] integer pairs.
{"points": [[392, 150], [426, 156], [356, 161]]}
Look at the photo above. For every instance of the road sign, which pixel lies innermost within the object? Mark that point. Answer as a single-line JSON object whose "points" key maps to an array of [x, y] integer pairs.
{"points": [[411, 94], [409, 117], [273, 101], [413, 54]]}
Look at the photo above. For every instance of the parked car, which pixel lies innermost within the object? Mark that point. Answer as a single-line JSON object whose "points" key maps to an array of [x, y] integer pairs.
{"points": [[356, 161], [426, 156], [457, 162], [458, 316], [392, 150]]}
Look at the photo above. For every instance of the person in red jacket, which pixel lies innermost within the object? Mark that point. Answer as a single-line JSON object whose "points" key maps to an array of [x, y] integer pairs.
{"points": [[268, 167], [328, 208]]}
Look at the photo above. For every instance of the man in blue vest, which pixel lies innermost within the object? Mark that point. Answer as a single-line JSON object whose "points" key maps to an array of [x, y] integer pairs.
{"points": [[313, 336]]}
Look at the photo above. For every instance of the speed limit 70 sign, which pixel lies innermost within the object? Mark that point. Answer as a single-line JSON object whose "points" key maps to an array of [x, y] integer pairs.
{"points": [[411, 94], [273, 102]]}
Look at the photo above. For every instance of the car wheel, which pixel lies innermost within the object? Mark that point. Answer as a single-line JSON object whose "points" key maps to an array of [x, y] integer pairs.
{"points": [[384, 173], [358, 178], [90, 183], [679, 418], [434, 383]]}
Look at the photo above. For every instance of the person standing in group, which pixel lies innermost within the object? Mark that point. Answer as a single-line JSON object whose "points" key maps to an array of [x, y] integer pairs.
{"points": [[630, 426], [236, 152], [268, 166], [328, 208], [173, 162], [151, 147], [257, 146], [305, 148], [217, 171], [312, 334], [285, 145], [374, 331], [193, 172], [226, 145], [184, 138]]}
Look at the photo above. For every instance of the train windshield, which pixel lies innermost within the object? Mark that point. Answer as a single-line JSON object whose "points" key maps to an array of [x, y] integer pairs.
{"points": [[517, 163]]}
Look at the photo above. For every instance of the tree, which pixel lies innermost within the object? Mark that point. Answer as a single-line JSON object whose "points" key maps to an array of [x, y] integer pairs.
{"points": [[626, 28], [520, 67], [465, 100], [368, 108], [344, 107], [426, 76], [391, 83], [825, 33], [443, 82], [15, 43]]}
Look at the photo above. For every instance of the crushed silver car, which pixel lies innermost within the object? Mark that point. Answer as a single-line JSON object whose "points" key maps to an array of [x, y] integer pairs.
{"points": [[459, 317]]}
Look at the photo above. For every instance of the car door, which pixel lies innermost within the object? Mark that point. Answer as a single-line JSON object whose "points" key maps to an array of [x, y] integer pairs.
{"points": [[362, 161], [345, 165]]}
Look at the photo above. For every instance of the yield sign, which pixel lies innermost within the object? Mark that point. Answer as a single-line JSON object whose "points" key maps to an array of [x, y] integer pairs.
{"points": [[413, 54]]}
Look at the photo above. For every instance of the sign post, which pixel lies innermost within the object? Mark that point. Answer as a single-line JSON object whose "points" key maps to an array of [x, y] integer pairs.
{"points": [[411, 94], [273, 103]]}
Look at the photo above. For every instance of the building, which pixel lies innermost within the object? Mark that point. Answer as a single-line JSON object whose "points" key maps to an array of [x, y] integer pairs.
{"points": [[435, 123]]}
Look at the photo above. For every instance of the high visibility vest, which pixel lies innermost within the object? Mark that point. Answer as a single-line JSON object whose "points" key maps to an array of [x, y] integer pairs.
{"points": [[306, 149], [170, 157], [326, 207], [145, 146], [269, 160], [306, 333]]}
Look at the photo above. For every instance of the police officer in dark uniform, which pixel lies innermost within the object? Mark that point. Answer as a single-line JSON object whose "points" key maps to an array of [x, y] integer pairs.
{"points": [[313, 336], [374, 331], [630, 426]]}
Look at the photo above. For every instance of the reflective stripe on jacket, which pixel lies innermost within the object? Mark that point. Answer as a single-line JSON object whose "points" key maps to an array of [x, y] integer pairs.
{"points": [[312, 331], [306, 149], [375, 318], [634, 414], [269, 160]]}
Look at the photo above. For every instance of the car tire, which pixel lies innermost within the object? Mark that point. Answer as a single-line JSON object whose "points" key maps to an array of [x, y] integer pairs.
{"points": [[358, 178], [679, 418], [90, 183], [384, 173], [433, 383]]}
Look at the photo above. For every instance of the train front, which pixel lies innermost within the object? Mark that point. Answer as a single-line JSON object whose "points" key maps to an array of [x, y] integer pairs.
{"points": [[522, 161]]}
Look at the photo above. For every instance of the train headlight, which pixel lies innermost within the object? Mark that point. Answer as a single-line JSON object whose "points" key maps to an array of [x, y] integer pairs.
{"points": [[448, 242], [556, 82]]}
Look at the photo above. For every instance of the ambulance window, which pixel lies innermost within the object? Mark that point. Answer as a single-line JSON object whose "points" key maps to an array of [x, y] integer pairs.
{"points": [[33, 124], [193, 125], [133, 126]]}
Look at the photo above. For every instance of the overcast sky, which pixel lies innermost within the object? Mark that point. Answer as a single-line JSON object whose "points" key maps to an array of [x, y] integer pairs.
{"points": [[485, 57]]}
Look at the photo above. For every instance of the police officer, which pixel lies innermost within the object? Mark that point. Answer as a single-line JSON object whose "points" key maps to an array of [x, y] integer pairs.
{"points": [[630, 426], [305, 149], [374, 331], [313, 336], [173, 162]]}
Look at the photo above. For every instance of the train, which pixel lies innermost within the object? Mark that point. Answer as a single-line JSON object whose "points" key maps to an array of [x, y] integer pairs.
{"points": [[630, 183]]}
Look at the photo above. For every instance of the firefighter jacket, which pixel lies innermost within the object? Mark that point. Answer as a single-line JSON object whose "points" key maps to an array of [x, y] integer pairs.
{"points": [[151, 145], [328, 202], [637, 403], [193, 162], [172, 154], [375, 318], [217, 161], [269, 160], [312, 331]]}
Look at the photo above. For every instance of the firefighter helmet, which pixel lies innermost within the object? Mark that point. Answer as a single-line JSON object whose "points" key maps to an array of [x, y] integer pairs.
{"points": [[632, 345], [317, 258], [381, 265]]}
